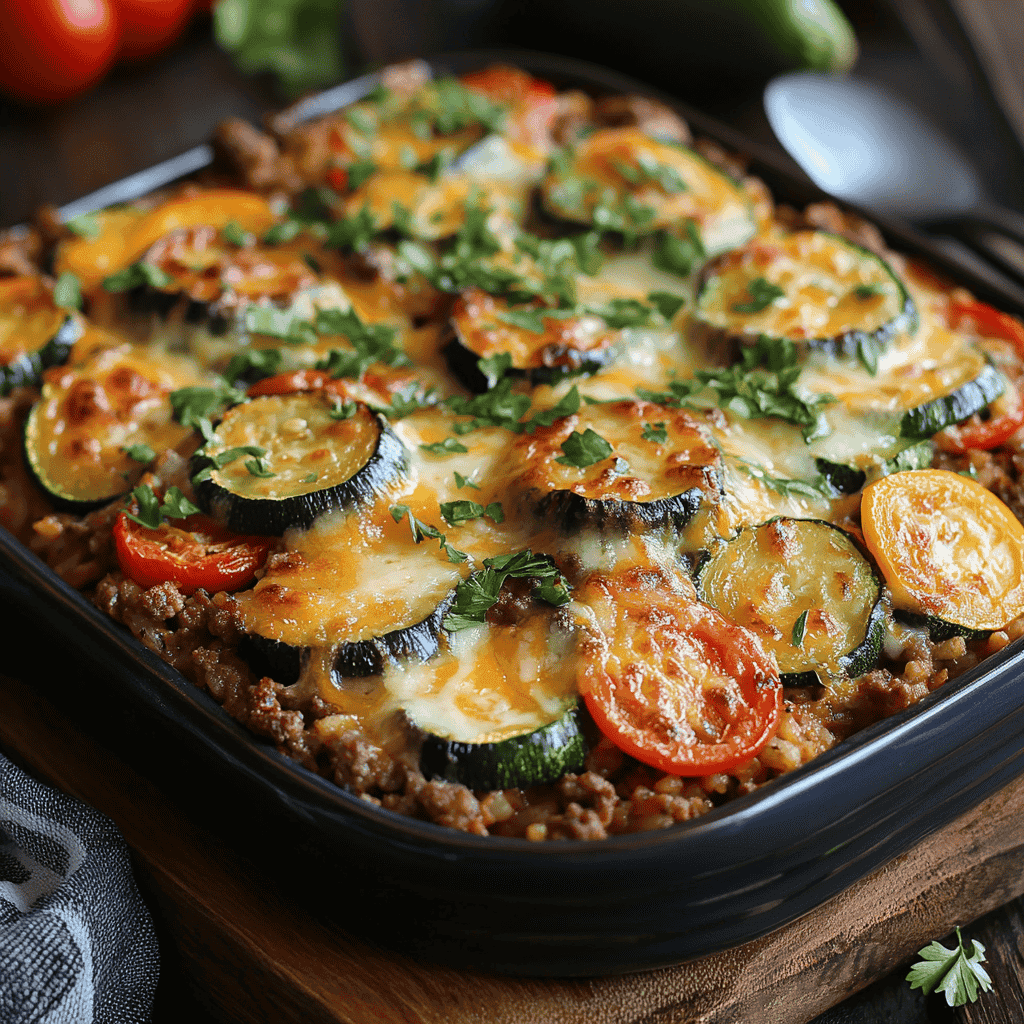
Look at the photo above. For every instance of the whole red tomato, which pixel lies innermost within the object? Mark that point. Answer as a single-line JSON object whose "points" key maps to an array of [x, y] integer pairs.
{"points": [[149, 26], [53, 49]]}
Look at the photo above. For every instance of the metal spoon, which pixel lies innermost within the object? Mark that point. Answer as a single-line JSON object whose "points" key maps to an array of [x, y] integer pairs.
{"points": [[861, 143]]}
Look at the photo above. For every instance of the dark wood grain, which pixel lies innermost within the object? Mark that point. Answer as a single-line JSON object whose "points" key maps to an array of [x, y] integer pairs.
{"points": [[1002, 935]]}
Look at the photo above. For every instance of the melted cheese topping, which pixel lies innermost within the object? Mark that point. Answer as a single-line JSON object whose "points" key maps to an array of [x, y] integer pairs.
{"points": [[28, 317]]}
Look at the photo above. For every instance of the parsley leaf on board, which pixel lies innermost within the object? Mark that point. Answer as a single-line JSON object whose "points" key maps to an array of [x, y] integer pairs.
{"points": [[957, 973], [762, 294]]}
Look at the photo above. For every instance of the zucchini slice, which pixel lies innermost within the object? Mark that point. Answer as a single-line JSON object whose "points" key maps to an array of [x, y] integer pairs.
{"points": [[623, 466], [279, 461], [497, 705], [804, 587], [970, 397], [950, 551], [621, 180], [814, 288], [344, 600], [34, 332], [543, 346], [83, 437]]}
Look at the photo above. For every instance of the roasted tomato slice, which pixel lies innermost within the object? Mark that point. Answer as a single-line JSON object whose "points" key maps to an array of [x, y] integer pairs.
{"points": [[195, 553], [670, 680], [1007, 412]]}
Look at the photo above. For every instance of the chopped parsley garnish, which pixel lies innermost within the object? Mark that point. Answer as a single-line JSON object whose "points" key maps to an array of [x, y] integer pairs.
{"points": [[195, 406], [797, 638], [436, 165], [648, 168], [141, 273], [361, 121], [252, 364], [234, 234], [868, 353], [475, 596], [258, 467], [221, 459], [568, 404], [456, 513], [762, 294], [498, 407], [404, 403], [422, 531], [353, 234], [655, 433], [357, 172], [495, 367], [531, 320], [67, 292], [152, 511], [86, 225], [666, 303], [621, 313], [582, 450], [402, 220], [140, 453], [279, 323], [957, 973], [344, 409], [677, 255], [446, 106], [283, 231], [786, 488], [449, 446], [464, 481], [312, 262]]}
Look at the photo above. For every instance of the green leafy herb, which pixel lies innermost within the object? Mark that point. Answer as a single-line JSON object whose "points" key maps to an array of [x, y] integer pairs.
{"points": [[221, 459], [666, 303], [648, 168], [140, 453], [421, 531], [568, 404], [867, 353], [497, 407], [361, 121], [955, 972], [449, 446], [312, 262], [677, 255], [86, 225], [819, 488], [762, 294], [252, 364], [235, 234], [67, 292], [300, 43], [797, 639], [279, 323], [621, 313], [475, 596], [456, 513], [152, 512], [449, 107], [584, 449], [495, 367], [137, 274], [763, 384], [435, 166], [353, 234], [258, 467], [194, 406], [464, 481], [343, 410], [283, 231], [654, 432], [527, 319], [407, 401], [586, 247]]}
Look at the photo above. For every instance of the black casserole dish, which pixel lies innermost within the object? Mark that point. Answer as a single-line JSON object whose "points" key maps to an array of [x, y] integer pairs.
{"points": [[663, 896]]}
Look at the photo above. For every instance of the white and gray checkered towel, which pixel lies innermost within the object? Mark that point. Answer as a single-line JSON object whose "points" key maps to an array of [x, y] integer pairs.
{"points": [[76, 941]]}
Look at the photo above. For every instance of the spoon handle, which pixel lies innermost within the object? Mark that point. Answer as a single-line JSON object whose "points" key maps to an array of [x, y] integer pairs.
{"points": [[994, 232]]}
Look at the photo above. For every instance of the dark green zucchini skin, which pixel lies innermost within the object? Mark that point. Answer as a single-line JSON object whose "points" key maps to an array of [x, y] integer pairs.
{"points": [[845, 479], [147, 300], [537, 757], [853, 344], [26, 370], [272, 516], [927, 420], [864, 656], [941, 629], [462, 361], [573, 512], [284, 662]]}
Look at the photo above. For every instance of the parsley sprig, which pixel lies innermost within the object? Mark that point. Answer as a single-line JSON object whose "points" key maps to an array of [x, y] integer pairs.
{"points": [[153, 511], [422, 531], [475, 596], [955, 972]]}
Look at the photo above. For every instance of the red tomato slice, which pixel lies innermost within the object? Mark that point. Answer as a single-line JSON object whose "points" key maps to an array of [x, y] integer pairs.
{"points": [[149, 26], [54, 49], [195, 553], [671, 681], [532, 103], [989, 322]]}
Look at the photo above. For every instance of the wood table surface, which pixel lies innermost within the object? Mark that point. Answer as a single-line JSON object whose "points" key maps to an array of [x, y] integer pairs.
{"points": [[144, 115]]}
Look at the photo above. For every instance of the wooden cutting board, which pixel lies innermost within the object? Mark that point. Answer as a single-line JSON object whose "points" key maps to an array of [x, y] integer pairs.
{"points": [[252, 955]]}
